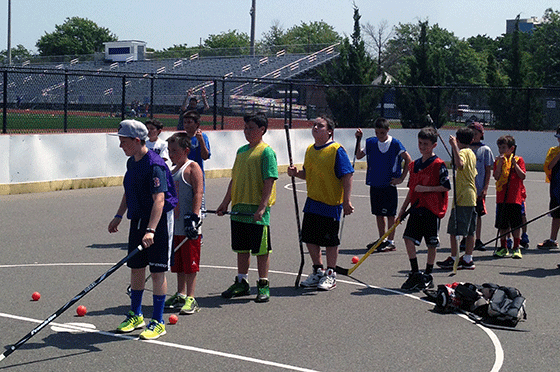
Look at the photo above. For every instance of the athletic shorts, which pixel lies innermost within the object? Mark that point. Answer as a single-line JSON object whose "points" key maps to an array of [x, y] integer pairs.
{"points": [[553, 204], [158, 255], [422, 224], [508, 216], [187, 257], [481, 206], [466, 221], [250, 238], [320, 230], [383, 200]]}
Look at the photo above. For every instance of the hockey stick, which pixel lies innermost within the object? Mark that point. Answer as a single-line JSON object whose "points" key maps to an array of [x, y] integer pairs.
{"points": [[353, 164], [522, 225], [79, 296], [129, 288], [347, 272], [246, 214], [298, 223]]}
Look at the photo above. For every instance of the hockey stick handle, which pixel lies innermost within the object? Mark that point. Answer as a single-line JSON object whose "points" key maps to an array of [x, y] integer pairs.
{"points": [[246, 214], [522, 225], [76, 298], [296, 206]]}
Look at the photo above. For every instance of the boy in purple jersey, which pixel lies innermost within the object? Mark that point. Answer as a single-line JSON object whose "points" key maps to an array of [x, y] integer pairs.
{"points": [[149, 198], [384, 172]]}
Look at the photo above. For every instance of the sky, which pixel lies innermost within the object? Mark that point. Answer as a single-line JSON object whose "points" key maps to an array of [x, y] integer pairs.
{"points": [[164, 23]]}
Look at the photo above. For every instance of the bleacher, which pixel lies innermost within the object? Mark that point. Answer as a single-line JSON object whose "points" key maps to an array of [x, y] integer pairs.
{"points": [[94, 82]]}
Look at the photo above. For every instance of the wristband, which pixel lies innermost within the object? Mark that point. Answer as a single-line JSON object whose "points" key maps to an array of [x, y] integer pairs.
{"points": [[150, 230], [118, 216]]}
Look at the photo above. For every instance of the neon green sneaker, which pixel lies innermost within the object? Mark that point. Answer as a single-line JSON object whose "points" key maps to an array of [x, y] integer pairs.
{"points": [[263, 294], [190, 307], [502, 252], [154, 330], [176, 301], [517, 253], [238, 288], [131, 323]]}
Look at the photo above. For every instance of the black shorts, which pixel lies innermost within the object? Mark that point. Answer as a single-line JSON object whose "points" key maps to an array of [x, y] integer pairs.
{"points": [[553, 204], [158, 255], [250, 238], [320, 230], [422, 224], [508, 216], [383, 200]]}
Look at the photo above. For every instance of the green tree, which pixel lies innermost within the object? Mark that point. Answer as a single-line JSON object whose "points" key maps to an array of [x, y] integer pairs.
{"points": [[74, 37], [227, 43], [19, 54], [546, 57], [352, 106]]}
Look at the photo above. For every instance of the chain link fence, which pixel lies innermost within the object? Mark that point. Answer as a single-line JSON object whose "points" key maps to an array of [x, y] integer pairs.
{"points": [[39, 100]]}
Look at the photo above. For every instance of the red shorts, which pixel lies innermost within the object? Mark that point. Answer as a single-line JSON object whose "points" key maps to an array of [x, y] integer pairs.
{"points": [[187, 258]]}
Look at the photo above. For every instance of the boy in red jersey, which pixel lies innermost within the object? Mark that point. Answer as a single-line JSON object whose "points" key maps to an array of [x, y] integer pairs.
{"points": [[428, 185]]}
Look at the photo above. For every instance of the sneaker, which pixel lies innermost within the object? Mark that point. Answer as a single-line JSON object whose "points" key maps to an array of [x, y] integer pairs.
{"points": [[509, 243], [383, 244], [517, 254], [387, 246], [547, 244], [464, 265], [415, 281], [502, 252], [462, 244], [479, 246], [427, 281], [190, 307], [131, 323], [238, 288], [263, 291], [154, 330], [175, 302], [524, 240], [328, 281], [447, 264], [313, 279]]}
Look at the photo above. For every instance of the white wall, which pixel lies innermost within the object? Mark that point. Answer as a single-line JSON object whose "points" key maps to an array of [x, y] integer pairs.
{"points": [[49, 157]]}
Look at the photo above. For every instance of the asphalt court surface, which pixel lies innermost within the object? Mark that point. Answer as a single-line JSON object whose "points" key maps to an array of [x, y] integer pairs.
{"points": [[57, 244]]}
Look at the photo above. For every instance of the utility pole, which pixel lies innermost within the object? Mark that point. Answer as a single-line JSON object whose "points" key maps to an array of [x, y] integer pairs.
{"points": [[9, 33], [253, 13]]}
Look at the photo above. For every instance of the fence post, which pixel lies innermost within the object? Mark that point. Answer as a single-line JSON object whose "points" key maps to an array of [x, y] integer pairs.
{"points": [[215, 110], [152, 96], [528, 105], [5, 104], [290, 103], [123, 100], [223, 100], [65, 101]]}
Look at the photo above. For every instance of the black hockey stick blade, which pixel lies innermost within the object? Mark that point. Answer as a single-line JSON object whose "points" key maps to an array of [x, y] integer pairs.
{"points": [[246, 214], [76, 298]]}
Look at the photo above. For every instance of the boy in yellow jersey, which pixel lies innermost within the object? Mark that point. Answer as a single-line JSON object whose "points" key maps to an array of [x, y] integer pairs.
{"points": [[251, 190], [328, 173]]}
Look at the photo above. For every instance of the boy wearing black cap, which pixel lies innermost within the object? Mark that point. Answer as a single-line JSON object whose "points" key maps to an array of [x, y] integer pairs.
{"points": [[149, 198]]}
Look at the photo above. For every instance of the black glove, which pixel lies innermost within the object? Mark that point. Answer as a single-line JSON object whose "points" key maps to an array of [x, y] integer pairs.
{"points": [[192, 223]]}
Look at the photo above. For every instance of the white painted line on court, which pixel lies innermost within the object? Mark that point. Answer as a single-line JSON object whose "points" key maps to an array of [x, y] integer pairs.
{"points": [[76, 327], [499, 352]]}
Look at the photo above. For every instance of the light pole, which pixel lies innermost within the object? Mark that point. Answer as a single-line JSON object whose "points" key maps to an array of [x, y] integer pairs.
{"points": [[9, 32], [253, 13]]}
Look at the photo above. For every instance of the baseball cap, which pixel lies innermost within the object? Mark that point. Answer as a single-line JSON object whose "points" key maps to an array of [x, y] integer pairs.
{"points": [[132, 129], [476, 125]]}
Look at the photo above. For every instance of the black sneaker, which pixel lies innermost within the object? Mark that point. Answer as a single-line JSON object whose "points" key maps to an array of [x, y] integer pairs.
{"points": [[427, 281], [464, 265], [479, 246], [414, 282], [238, 288], [263, 291], [447, 264]]}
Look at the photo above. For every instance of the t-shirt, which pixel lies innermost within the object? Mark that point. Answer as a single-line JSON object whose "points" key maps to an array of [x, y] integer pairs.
{"points": [[484, 158], [511, 184], [465, 180], [383, 161], [324, 168], [159, 147], [553, 176], [144, 178], [252, 166], [432, 172], [196, 152]]}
